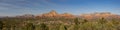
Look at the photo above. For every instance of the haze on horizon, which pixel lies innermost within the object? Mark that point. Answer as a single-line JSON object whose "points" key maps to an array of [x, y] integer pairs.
{"points": [[19, 7]]}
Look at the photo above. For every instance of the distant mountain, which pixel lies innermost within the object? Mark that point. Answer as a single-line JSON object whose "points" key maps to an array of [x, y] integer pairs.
{"points": [[51, 14], [99, 15], [68, 15], [26, 16], [55, 14]]}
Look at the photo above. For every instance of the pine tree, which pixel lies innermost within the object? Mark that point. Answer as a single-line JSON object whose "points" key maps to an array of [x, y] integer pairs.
{"points": [[102, 21], [83, 21], [30, 26], [76, 27], [76, 21], [63, 27], [44, 27], [1, 25]]}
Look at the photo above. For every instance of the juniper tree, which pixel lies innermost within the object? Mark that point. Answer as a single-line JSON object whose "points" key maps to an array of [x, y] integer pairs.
{"points": [[76, 26], [102, 21], [1, 25], [30, 26], [43, 27], [76, 21], [63, 27]]}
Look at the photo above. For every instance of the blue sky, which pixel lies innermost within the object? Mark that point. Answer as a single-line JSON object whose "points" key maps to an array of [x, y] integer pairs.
{"points": [[76, 7]]}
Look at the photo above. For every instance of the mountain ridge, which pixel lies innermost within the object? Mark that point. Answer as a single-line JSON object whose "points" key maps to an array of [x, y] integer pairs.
{"points": [[53, 13]]}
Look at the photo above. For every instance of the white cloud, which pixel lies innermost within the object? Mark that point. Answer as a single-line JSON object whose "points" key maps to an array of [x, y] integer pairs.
{"points": [[6, 9], [18, 7]]}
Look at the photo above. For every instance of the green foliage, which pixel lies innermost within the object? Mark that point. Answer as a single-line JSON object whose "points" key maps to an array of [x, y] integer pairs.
{"points": [[76, 21], [59, 24], [63, 27], [43, 27], [30, 26], [1, 25], [102, 21]]}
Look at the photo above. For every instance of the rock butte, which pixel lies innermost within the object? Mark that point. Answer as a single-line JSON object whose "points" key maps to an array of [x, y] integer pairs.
{"points": [[55, 14], [87, 16]]}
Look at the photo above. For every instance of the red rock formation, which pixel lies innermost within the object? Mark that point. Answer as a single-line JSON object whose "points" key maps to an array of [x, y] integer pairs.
{"points": [[97, 15], [51, 14], [55, 14], [67, 15]]}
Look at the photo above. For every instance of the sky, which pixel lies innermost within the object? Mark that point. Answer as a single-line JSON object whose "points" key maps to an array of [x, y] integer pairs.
{"points": [[76, 7]]}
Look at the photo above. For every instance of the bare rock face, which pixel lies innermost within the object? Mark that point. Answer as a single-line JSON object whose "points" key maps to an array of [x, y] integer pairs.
{"points": [[87, 16], [55, 14], [104, 14], [97, 15], [51, 14], [67, 15]]}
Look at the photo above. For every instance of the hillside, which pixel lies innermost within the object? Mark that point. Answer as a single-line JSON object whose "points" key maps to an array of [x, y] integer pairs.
{"points": [[66, 21], [55, 14], [100, 15]]}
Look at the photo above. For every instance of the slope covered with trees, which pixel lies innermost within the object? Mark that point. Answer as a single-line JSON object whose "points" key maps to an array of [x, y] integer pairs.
{"points": [[55, 21]]}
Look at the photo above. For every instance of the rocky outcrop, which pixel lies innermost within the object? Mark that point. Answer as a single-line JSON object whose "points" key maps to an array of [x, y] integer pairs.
{"points": [[51, 14], [55, 14], [98, 15], [67, 15], [87, 16]]}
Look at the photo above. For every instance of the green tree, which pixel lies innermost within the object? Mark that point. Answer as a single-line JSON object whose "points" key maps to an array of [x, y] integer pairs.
{"points": [[43, 27], [102, 21], [30, 26], [83, 21], [1, 25], [76, 21], [76, 26], [63, 27], [115, 22]]}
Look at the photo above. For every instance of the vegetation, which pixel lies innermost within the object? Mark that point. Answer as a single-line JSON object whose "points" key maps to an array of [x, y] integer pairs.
{"points": [[48, 23]]}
